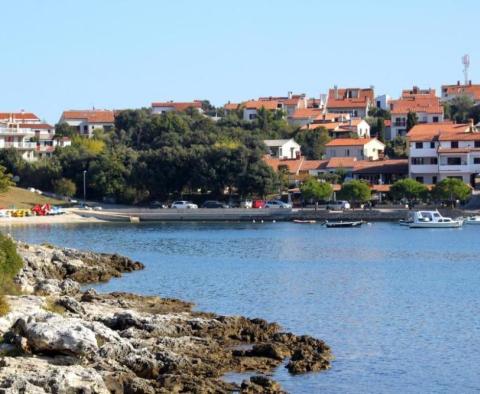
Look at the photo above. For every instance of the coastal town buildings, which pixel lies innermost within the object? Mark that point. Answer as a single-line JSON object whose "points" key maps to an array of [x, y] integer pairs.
{"points": [[353, 127], [86, 121], [444, 150], [359, 148], [175, 106], [283, 149], [25, 132], [450, 92], [353, 101], [423, 102]]}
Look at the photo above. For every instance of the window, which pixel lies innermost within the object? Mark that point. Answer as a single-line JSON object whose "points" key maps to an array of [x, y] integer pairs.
{"points": [[347, 152], [424, 160], [476, 160], [454, 144], [432, 145], [435, 119], [418, 145], [252, 116], [454, 161], [434, 179], [419, 179], [477, 144]]}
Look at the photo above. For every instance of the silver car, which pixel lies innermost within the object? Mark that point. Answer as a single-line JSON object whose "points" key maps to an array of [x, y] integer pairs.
{"points": [[277, 204], [184, 205]]}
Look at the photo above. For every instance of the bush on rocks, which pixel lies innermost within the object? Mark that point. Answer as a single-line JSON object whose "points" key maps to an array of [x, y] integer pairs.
{"points": [[10, 265]]}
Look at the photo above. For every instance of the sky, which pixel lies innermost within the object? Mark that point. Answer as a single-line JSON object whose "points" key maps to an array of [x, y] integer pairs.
{"points": [[71, 54]]}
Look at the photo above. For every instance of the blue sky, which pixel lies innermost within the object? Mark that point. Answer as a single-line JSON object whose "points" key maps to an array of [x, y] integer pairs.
{"points": [[66, 54]]}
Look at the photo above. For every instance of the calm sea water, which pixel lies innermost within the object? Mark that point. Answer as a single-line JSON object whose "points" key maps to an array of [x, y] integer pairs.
{"points": [[399, 307]]}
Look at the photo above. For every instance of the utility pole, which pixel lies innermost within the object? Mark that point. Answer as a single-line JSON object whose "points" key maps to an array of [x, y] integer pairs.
{"points": [[84, 188]]}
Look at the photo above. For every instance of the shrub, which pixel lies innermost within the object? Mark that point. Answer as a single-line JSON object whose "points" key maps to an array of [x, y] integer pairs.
{"points": [[65, 187], [10, 264]]}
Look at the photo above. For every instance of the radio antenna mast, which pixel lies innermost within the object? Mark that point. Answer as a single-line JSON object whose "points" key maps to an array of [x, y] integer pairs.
{"points": [[466, 65]]}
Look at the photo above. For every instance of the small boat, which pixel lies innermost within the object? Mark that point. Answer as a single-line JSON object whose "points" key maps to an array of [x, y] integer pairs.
{"points": [[472, 220], [343, 224], [405, 222], [433, 219], [304, 221]]}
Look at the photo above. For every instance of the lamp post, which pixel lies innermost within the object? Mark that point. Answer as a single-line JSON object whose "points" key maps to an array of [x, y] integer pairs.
{"points": [[84, 188]]}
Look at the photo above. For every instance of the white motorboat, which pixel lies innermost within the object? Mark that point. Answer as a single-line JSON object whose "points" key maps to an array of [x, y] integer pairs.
{"points": [[433, 219], [472, 220]]}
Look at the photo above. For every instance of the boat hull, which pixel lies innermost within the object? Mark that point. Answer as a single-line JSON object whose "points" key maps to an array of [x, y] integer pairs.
{"points": [[454, 224], [343, 224]]}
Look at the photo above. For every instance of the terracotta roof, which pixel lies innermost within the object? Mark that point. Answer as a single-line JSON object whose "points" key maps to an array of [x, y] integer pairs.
{"points": [[381, 166], [35, 126], [306, 113], [231, 106], [454, 90], [381, 188], [178, 106], [91, 116], [415, 91], [267, 104], [341, 162], [459, 136], [432, 131], [5, 116], [313, 165], [365, 96], [350, 141], [293, 166], [415, 103]]}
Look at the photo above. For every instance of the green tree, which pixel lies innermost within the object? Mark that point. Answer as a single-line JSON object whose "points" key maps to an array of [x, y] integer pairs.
{"points": [[355, 191], [460, 108], [312, 189], [5, 180], [65, 130], [412, 120], [10, 265], [451, 190], [409, 189], [313, 142], [65, 187]]}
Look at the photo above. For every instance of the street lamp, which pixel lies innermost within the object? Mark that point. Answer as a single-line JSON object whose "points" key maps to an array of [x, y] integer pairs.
{"points": [[84, 188]]}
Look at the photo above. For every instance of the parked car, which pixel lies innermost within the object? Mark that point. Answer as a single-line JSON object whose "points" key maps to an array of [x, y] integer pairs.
{"points": [[184, 205], [277, 204], [246, 204], [157, 204], [258, 204], [339, 205], [214, 204]]}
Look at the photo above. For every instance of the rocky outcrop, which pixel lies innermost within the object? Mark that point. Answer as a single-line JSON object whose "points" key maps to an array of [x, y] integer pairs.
{"points": [[59, 339]]}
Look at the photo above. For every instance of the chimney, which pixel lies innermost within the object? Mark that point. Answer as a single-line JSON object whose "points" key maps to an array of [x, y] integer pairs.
{"points": [[335, 89], [470, 83], [458, 83], [471, 125], [290, 94]]}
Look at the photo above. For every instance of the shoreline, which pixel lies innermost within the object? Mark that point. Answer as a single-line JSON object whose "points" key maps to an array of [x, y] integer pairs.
{"points": [[59, 338]]}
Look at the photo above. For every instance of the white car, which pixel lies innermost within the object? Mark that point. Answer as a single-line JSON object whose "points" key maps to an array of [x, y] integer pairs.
{"points": [[184, 205], [246, 204], [277, 204], [338, 205]]}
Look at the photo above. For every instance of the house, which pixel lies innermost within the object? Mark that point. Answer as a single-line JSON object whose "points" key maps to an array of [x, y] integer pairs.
{"points": [[175, 106], [283, 149], [422, 102], [451, 91], [251, 108], [304, 116], [360, 148], [26, 133], [86, 121], [290, 103], [353, 101], [444, 150], [383, 102], [342, 129]]}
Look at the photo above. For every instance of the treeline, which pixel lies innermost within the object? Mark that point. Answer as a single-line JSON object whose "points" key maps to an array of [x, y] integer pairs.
{"points": [[148, 157]]}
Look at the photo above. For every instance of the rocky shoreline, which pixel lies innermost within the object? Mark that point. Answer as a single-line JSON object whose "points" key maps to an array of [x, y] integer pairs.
{"points": [[58, 339]]}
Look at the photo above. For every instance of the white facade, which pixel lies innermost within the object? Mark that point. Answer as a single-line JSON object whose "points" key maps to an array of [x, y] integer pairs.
{"points": [[283, 149], [383, 101], [371, 150], [399, 122]]}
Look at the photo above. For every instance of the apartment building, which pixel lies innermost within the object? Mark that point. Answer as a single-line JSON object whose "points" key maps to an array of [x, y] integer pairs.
{"points": [[444, 150], [175, 106], [86, 121], [353, 101], [359, 148], [25, 132], [423, 102], [450, 92]]}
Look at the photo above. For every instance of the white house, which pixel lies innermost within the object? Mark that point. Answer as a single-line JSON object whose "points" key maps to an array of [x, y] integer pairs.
{"points": [[444, 150], [383, 101], [27, 134], [360, 148], [175, 106], [86, 121], [424, 103], [251, 108], [283, 149], [343, 129], [451, 91], [353, 101]]}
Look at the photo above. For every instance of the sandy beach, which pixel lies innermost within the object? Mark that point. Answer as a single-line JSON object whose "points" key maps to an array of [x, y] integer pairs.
{"points": [[67, 218]]}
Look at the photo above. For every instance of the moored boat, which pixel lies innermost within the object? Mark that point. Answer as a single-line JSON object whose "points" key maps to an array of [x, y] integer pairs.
{"points": [[304, 221], [433, 219], [343, 224], [472, 220]]}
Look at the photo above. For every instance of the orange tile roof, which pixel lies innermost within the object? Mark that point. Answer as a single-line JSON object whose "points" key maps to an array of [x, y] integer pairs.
{"points": [[432, 131], [365, 96], [417, 103], [178, 106], [415, 91], [341, 162], [293, 166], [350, 141], [304, 113], [381, 166], [91, 116], [35, 126], [313, 165], [267, 104], [471, 90], [231, 106], [5, 116]]}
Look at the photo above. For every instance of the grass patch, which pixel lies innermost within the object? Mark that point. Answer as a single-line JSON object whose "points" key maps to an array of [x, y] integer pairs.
{"points": [[20, 198], [51, 305], [10, 264]]}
